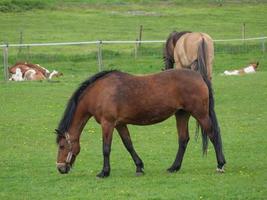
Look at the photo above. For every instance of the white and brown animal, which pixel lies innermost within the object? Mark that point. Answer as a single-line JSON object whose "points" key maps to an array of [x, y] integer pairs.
{"points": [[17, 76], [251, 68], [31, 71]]}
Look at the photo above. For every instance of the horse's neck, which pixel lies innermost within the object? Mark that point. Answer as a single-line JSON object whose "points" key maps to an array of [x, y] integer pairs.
{"points": [[53, 73], [79, 120], [249, 69]]}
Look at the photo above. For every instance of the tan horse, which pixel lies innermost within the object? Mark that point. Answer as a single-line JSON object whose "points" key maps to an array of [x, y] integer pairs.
{"points": [[187, 49]]}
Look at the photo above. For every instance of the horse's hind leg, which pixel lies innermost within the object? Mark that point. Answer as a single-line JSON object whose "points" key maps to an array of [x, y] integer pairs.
{"points": [[215, 138], [182, 118], [217, 143], [107, 131], [126, 139]]}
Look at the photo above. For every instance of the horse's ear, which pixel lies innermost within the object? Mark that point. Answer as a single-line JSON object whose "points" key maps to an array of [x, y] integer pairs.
{"points": [[257, 63]]}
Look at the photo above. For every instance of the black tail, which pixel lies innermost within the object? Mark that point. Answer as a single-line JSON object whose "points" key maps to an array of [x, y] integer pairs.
{"points": [[201, 67], [213, 118]]}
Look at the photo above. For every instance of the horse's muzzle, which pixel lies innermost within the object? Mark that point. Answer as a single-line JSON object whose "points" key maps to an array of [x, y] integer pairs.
{"points": [[63, 168]]}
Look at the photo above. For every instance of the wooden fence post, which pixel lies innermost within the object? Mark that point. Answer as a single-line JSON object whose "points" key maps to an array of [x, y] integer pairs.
{"points": [[136, 49], [263, 45], [28, 54], [99, 56], [244, 37], [244, 31], [20, 41], [5, 60], [140, 34]]}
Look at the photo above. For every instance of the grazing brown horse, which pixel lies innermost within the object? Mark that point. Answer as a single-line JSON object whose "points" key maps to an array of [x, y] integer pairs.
{"points": [[186, 49], [116, 99]]}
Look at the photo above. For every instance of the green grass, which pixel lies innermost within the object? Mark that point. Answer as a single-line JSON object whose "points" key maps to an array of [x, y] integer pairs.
{"points": [[30, 111]]}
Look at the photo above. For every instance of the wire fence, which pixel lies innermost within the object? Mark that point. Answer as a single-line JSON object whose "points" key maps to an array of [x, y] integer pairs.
{"points": [[100, 54]]}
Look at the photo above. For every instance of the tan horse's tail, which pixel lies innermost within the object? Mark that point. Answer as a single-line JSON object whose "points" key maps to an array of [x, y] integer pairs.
{"points": [[201, 64]]}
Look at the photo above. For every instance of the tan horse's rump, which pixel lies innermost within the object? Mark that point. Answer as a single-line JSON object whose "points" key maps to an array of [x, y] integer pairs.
{"points": [[187, 49]]}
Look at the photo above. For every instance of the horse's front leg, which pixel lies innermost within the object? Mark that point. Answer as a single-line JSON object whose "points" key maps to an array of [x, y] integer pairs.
{"points": [[126, 139], [182, 118], [107, 131]]}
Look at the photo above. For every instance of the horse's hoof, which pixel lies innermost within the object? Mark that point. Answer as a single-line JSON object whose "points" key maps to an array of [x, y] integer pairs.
{"points": [[172, 170], [139, 172], [102, 174], [220, 170]]}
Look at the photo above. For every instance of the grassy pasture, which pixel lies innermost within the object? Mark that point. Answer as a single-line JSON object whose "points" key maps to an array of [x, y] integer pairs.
{"points": [[31, 110]]}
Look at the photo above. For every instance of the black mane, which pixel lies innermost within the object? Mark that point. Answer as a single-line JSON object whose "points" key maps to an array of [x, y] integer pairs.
{"points": [[67, 117], [175, 36], [168, 53]]}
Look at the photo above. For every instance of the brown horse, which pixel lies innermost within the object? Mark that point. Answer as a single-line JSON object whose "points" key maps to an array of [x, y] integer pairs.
{"points": [[116, 99], [186, 49]]}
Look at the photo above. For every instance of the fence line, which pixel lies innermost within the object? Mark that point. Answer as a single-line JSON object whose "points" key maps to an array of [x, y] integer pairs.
{"points": [[116, 42], [99, 44], [245, 39]]}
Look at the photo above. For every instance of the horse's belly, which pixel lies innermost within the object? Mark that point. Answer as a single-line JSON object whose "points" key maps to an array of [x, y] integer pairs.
{"points": [[147, 117]]}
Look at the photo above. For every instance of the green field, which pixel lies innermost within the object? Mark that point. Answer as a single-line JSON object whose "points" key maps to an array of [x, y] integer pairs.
{"points": [[30, 111]]}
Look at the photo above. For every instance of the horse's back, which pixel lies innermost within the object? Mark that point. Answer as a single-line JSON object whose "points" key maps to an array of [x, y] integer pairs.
{"points": [[127, 98], [120, 84]]}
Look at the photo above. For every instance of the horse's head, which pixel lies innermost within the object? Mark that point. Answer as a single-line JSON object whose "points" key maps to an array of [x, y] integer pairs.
{"points": [[255, 65], [55, 73], [18, 76], [68, 149]]}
